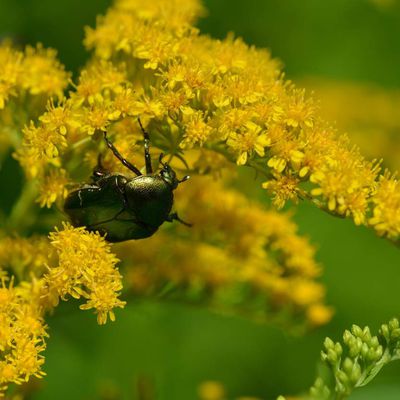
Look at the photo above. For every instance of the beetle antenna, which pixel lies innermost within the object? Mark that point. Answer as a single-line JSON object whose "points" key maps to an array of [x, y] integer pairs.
{"points": [[185, 178], [160, 159]]}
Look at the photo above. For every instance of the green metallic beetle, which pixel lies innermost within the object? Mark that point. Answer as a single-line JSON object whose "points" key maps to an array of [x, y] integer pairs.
{"points": [[125, 208]]}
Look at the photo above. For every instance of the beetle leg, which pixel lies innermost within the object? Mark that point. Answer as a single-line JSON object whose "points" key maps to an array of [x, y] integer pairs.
{"points": [[175, 217], [122, 193], [117, 154], [99, 171], [147, 157], [114, 218]]}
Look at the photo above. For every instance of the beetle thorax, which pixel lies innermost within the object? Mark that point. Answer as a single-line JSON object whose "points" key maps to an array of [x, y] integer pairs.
{"points": [[150, 199]]}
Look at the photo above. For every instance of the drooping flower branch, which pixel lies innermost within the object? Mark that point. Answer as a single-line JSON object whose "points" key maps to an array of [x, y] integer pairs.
{"points": [[194, 92]]}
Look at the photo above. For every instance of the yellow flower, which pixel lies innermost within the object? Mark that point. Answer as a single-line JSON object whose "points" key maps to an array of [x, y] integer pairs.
{"points": [[10, 69], [146, 107], [47, 143], [386, 216], [53, 188], [175, 13], [22, 334], [300, 112], [42, 72], [125, 102], [284, 188], [249, 140], [25, 257], [174, 101], [305, 292], [58, 118], [319, 314], [369, 114], [211, 390], [197, 130], [98, 115], [86, 268], [40, 146]]}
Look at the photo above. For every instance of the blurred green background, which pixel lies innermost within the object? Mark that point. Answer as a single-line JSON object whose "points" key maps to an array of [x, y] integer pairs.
{"points": [[177, 347]]}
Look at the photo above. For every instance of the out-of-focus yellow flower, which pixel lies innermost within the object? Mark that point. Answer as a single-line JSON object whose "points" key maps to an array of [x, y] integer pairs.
{"points": [[319, 314], [10, 68], [367, 112], [22, 334], [238, 258], [214, 390], [53, 187], [386, 217], [211, 390], [42, 72], [24, 257], [36, 71]]}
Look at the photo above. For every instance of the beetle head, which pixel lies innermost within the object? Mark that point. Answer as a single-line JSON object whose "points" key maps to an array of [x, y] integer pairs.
{"points": [[169, 175]]}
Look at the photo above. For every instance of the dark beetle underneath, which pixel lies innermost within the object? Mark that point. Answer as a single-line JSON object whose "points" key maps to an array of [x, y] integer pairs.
{"points": [[125, 208]]}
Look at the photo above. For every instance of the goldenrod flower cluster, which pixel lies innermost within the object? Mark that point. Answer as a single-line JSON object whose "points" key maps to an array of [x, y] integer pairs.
{"points": [[27, 80], [34, 71], [34, 274], [22, 334], [86, 268], [194, 92], [22, 327], [238, 258], [232, 98]]}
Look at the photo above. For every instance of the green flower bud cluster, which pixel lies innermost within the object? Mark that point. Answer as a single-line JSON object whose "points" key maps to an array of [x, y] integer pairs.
{"points": [[356, 361]]}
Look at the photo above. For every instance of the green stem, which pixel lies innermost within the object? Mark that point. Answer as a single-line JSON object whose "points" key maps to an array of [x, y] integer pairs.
{"points": [[14, 136], [259, 169], [372, 371], [79, 143], [22, 215]]}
